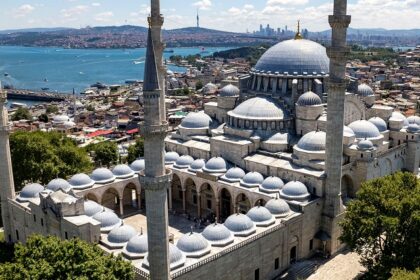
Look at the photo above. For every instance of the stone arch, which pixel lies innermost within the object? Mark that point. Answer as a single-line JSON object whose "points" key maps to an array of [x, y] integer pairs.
{"points": [[207, 201], [347, 187], [385, 167], [191, 198], [176, 193], [111, 199], [260, 202], [130, 197], [353, 110], [293, 248], [92, 196], [225, 203], [242, 202]]}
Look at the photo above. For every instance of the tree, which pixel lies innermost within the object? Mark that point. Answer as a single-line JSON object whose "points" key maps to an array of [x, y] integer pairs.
{"points": [[135, 151], [50, 258], [51, 109], [105, 153], [383, 223], [403, 274], [43, 118], [41, 157], [198, 85], [22, 113]]}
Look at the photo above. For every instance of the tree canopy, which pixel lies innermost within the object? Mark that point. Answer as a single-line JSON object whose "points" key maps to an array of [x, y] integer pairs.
{"points": [[135, 151], [41, 157], [45, 258], [105, 153], [51, 109], [382, 225], [22, 113]]}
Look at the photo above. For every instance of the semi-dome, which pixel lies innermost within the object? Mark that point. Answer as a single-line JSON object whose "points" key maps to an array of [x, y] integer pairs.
{"points": [[258, 108], [194, 245], [240, 225], [252, 179], [137, 245], [138, 165], [229, 91], [261, 216], [271, 184], [215, 165], [92, 208], [278, 137], [295, 190], [218, 235], [365, 145], [184, 161], [121, 234], [102, 176], [309, 99], [364, 129], [399, 117], [108, 220], [379, 123], [294, 56], [122, 171], [81, 181], [196, 120], [176, 258], [364, 90], [414, 119], [413, 128], [171, 157], [278, 207], [234, 174], [348, 132], [30, 191], [59, 184], [197, 165], [314, 141]]}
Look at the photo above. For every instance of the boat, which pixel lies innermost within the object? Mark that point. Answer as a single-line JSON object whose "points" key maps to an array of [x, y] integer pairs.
{"points": [[169, 51], [137, 62], [6, 74], [18, 105], [45, 88], [45, 80], [203, 50]]}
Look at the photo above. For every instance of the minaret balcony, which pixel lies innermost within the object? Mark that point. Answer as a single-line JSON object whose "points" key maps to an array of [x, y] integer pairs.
{"points": [[157, 183], [338, 52], [339, 21], [147, 129]]}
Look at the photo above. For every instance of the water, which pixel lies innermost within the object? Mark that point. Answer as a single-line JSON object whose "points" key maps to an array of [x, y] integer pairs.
{"points": [[64, 69]]}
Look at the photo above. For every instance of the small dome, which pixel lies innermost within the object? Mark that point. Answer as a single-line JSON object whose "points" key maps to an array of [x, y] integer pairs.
{"points": [[171, 157], [365, 145], [234, 174], [218, 235], [413, 128], [137, 245], [61, 119], [122, 171], [348, 132], [295, 190], [271, 184], [229, 91], [240, 225], [108, 220], [193, 245], [258, 108], [364, 129], [81, 181], [69, 125], [169, 72], [210, 88], [313, 141], [30, 191], [184, 161], [102, 176], [197, 165], [364, 90], [414, 120], [261, 216], [138, 165], [92, 208], [278, 138], [196, 120], [121, 234], [399, 117], [252, 179], [59, 184], [176, 258], [379, 123], [309, 99], [215, 165], [278, 207]]}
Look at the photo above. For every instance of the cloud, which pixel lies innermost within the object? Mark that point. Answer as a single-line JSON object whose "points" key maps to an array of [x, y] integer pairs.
{"points": [[96, 4], [74, 11], [286, 2], [203, 4], [104, 17], [24, 10]]}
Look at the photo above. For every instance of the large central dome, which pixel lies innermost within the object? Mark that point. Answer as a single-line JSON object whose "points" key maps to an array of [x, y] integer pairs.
{"points": [[258, 108], [295, 56]]}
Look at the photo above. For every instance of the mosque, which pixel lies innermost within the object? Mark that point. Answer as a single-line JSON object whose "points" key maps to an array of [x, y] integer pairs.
{"points": [[257, 162]]}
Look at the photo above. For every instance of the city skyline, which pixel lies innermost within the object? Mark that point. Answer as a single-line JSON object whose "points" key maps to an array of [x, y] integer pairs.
{"points": [[235, 15]]}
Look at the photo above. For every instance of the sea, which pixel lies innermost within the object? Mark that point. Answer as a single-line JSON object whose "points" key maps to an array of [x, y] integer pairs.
{"points": [[62, 70]]}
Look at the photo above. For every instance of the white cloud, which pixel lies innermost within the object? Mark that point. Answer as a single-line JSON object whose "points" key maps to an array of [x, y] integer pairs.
{"points": [[24, 10], [74, 11], [96, 4], [286, 2], [203, 4], [104, 17]]}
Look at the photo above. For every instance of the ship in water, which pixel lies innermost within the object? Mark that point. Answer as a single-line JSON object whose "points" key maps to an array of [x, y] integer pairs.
{"points": [[168, 51], [6, 74]]}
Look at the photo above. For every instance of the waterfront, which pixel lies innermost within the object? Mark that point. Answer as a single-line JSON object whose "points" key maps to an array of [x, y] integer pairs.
{"points": [[64, 69]]}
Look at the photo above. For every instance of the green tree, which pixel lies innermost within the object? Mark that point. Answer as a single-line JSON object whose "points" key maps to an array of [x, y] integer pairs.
{"points": [[403, 274], [51, 109], [45, 258], [383, 223], [41, 157], [135, 151], [22, 113], [105, 153], [43, 118], [198, 85]]}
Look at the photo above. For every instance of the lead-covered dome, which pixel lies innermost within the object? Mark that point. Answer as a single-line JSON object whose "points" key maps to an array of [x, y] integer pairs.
{"points": [[171, 157], [364, 90], [399, 117], [30, 191], [176, 258], [295, 190], [196, 120], [218, 235], [379, 123], [122, 171], [234, 174], [365, 145], [92, 208], [414, 120], [313, 141], [197, 165], [108, 220], [294, 56], [278, 207], [184, 161], [81, 181], [258, 108], [121, 234], [309, 99], [136, 247], [364, 129], [271, 184], [215, 165], [240, 225], [59, 184], [194, 245], [229, 91], [261, 216], [252, 179], [413, 128], [102, 176], [138, 165]]}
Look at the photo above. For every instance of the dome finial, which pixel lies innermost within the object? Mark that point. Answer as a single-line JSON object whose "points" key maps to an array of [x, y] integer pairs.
{"points": [[298, 35]]}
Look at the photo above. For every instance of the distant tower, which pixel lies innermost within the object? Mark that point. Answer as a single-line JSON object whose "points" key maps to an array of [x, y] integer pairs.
{"points": [[156, 179], [298, 35], [198, 20], [7, 185], [337, 53]]}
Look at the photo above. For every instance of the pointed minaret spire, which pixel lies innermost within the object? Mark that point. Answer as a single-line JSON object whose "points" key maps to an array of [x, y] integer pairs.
{"points": [[151, 76]]}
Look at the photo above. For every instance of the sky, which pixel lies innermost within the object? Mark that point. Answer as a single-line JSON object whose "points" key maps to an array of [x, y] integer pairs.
{"points": [[228, 15]]}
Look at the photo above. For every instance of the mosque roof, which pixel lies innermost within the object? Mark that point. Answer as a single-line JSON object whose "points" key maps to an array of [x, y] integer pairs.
{"points": [[313, 141], [309, 99], [365, 145], [108, 220], [252, 179], [295, 190], [102, 175], [379, 123], [30, 191], [81, 181], [121, 234], [399, 117], [234, 174], [240, 225], [258, 108], [92, 208], [414, 119], [271, 184], [58, 184], [364, 90], [278, 207], [294, 56], [229, 91], [176, 258], [197, 165], [171, 157], [218, 235], [196, 120], [138, 165], [215, 165], [413, 128], [137, 244], [184, 161], [364, 129], [348, 132], [193, 245], [122, 171], [261, 216]]}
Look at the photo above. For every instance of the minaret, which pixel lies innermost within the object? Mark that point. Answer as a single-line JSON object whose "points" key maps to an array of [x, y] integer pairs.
{"points": [[156, 179], [198, 20], [7, 185], [337, 52]]}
